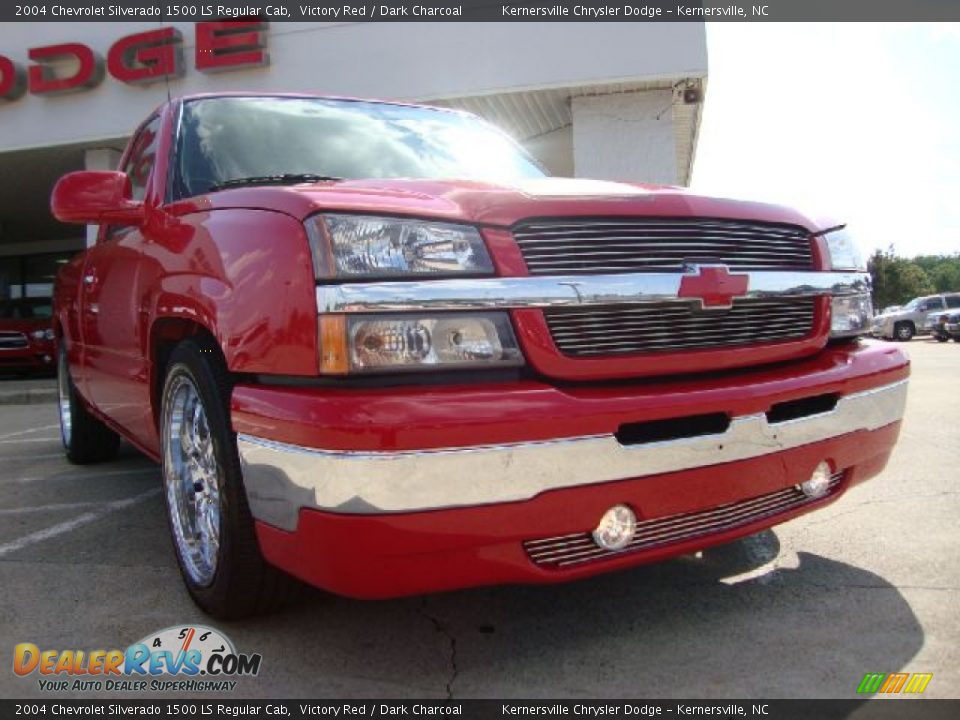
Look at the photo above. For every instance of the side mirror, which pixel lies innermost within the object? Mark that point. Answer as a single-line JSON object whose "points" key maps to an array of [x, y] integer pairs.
{"points": [[96, 197]]}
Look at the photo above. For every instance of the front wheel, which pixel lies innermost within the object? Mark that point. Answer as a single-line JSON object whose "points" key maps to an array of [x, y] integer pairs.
{"points": [[903, 331], [207, 511], [85, 438]]}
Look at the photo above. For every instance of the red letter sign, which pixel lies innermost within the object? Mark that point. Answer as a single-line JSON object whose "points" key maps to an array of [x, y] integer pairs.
{"points": [[146, 57], [44, 80], [13, 80], [229, 45]]}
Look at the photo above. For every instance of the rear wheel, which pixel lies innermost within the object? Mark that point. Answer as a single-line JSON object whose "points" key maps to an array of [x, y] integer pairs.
{"points": [[903, 331], [85, 439], [942, 338], [210, 522]]}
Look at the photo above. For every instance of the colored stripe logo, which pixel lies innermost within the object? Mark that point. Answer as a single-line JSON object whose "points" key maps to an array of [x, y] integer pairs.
{"points": [[893, 683]]}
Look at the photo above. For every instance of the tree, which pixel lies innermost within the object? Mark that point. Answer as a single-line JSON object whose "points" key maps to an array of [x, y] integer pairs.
{"points": [[946, 276], [897, 280]]}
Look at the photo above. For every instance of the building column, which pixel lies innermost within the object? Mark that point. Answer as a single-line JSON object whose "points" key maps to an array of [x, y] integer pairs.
{"points": [[625, 136], [99, 159]]}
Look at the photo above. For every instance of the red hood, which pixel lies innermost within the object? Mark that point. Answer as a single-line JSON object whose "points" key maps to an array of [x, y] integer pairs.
{"points": [[490, 204]]}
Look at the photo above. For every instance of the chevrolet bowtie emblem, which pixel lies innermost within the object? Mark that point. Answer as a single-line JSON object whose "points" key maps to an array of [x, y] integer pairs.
{"points": [[713, 285]]}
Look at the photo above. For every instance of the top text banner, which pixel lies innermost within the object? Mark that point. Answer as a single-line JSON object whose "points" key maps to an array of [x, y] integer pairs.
{"points": [[487, 11]]}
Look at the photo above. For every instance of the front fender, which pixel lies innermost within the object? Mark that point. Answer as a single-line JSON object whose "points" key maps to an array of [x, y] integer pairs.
{"points": [[246, 277]]}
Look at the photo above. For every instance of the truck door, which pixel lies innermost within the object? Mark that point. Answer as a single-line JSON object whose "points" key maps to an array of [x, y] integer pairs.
{"points": [[116, 367]]}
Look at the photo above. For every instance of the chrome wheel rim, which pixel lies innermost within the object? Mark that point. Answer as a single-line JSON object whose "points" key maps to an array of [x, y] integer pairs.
{"points": [[63, 399], [192, 479]]}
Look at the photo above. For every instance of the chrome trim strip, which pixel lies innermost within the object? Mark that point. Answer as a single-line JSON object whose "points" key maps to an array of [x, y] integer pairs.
{"points": [[280, 478], [540, 291]]}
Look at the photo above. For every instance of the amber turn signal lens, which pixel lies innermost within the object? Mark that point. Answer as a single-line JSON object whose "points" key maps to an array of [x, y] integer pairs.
{"points": [[333, 345]]}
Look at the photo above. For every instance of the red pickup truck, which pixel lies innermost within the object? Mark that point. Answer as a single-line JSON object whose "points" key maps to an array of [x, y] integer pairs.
{"points": [[376, 348]]}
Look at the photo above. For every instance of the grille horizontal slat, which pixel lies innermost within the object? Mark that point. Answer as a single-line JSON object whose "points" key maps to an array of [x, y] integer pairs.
{"points": [[660, 327], [653, 329], [575, 548], [598, 245], [13, 340]]}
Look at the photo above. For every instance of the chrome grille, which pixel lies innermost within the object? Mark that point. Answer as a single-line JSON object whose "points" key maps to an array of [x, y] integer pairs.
{"points": [[609, 245], [13, 340], [566, 550], [673, 326]]}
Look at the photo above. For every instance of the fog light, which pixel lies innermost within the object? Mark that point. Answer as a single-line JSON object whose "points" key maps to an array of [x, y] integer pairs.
{"points": [[819, 483], [616, 528]]}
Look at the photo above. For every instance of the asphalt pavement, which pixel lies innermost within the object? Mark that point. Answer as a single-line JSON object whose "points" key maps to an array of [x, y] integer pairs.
{"points": [[870, 584]]}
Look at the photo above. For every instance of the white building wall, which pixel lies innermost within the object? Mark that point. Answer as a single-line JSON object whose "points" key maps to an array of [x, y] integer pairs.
{"points": [[415, 61], [554, 150], [628, 136]]}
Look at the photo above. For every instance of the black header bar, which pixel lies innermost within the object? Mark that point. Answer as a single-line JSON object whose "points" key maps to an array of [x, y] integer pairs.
{"points": [[201, 707], [484, 11]]}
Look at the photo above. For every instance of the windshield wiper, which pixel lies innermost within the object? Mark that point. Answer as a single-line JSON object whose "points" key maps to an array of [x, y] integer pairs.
{"points": [[284, 179]]}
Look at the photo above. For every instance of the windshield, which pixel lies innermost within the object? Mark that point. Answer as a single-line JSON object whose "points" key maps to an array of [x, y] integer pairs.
{"points": [[229, 138], [913, 304]]}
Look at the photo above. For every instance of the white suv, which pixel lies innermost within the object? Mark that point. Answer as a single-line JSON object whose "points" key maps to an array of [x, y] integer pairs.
{"points": [[908, 321]]}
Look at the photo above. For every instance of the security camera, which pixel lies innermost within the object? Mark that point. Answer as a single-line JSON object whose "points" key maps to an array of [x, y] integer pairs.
{"points": [[692, 94]]}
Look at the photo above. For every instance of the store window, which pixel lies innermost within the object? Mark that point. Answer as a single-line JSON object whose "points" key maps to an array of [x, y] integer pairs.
{"points": [[30, 276], [11, 280]]}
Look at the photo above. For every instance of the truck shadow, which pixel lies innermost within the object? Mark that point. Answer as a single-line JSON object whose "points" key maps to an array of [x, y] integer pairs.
{"points": [[686, 628]]}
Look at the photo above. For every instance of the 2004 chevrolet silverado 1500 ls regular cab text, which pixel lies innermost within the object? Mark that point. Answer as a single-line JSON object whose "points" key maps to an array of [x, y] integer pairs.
{"points": [[374, 347]]}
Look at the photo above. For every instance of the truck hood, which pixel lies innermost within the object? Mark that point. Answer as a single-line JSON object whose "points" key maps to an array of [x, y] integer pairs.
{"points": [[492, 204]]}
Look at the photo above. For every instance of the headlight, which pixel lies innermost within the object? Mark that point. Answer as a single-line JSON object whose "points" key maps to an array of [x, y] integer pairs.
{"points": [[850, 315], [843, 250], [372, 343], [356, 246], [42, 334]]}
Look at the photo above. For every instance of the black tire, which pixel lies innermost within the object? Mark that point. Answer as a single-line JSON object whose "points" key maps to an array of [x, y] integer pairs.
{"points": [[85, 438], [941, 338], [903, 331], [242, 583]]}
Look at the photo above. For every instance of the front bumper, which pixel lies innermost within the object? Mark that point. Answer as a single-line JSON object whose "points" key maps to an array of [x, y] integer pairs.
{"points": [[37, 356], [436, 478]]}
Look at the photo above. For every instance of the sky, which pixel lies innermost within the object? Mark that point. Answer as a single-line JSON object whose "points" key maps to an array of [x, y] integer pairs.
{"points": [[860, 122]]}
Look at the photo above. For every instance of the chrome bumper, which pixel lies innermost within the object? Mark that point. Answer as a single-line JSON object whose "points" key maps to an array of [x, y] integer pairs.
{"points": [[281, 479]]}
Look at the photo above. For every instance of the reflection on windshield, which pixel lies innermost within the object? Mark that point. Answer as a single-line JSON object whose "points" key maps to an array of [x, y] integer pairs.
{"points": [[227, 138]]}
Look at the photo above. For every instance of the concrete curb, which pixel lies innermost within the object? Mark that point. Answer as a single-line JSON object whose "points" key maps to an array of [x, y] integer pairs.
{"points": [[33, 396]]}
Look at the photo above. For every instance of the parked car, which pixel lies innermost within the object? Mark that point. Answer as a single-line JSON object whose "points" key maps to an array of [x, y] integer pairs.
{"points": [[373, 346], [26, 334], [910, 320], [943, 325], [952, 326], [935, 325], [890, 309]]}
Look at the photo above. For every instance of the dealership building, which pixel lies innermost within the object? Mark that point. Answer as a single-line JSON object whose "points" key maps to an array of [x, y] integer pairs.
{"points": [[618, 101]]}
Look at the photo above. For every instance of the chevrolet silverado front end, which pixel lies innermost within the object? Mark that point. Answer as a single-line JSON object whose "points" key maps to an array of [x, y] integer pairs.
{"points": [[382, 352]]}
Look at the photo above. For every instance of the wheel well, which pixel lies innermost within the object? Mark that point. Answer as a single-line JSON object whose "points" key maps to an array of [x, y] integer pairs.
{"points": [[165, 335], [906, 322]]}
